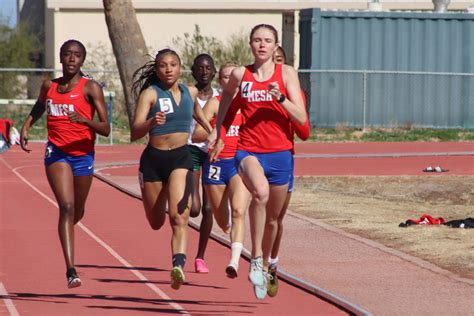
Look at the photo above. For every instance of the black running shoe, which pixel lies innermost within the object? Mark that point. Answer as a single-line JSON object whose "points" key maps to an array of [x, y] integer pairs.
{"points": [[231, 271], [272, 281], [72, 278]]}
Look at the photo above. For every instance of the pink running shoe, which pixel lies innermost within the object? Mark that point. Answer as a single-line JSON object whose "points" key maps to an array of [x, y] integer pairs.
{"points": [[200, 266]]}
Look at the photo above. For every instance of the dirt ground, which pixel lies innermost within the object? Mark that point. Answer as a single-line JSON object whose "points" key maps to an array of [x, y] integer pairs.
{"points": [[373, 207]]}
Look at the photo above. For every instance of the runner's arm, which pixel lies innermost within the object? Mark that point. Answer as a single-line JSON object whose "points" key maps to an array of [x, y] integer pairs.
{"points": [[95, 96], [36, 112], [293, 103], [209, 110], [141, 125]]}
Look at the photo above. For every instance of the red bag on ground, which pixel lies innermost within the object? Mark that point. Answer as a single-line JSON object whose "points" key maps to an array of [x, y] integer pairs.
{"points": [[425, 219]]}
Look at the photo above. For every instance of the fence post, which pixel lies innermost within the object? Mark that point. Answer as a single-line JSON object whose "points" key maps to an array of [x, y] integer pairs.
{"points": [[111, 135], [364, 100]]}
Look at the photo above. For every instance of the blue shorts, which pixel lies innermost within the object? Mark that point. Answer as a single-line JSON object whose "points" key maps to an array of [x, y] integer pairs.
{"points": [[219, 172], [277, 166], [80, 165], [292, 176]]}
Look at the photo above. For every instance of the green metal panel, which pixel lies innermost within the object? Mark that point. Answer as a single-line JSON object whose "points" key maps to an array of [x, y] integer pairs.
{"points": [[395, 42]]}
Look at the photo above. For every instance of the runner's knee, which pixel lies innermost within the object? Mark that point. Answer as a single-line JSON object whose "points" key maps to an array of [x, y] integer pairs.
{"points": [[271, 224], [260, 195], [178, 220], [206, 211], [280, 223], [238, 213], [66, 209]]}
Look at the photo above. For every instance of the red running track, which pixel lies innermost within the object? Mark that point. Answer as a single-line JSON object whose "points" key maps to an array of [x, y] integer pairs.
{"points": [[124, 264], [378, 159], [401, 158]]}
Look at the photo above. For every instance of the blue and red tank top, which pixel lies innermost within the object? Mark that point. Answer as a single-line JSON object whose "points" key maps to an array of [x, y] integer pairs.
{"points": [[266, 125], [72, 138]]}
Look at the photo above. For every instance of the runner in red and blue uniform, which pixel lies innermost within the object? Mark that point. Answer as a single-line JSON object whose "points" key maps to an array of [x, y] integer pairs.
{"points": [[270, 97], [302, 131], [222, 183], [70, 103]]}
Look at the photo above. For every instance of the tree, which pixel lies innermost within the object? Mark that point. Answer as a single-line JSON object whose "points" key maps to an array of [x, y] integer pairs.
{"points": [[236, 49], [17, 45], [128, 45]]}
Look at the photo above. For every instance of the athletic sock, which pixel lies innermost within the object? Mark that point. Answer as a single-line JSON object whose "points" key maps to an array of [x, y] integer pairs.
{"points": [[179, 259], [273, 261], [236, 248]]}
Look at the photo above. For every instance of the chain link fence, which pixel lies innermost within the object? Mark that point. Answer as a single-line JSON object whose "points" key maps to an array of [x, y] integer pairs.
{"points": [[389, 99], [357, 99]]}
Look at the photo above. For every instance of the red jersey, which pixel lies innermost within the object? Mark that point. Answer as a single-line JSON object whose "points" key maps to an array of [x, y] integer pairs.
{"points": [[229, 130], [72, 138], [266, 125]]}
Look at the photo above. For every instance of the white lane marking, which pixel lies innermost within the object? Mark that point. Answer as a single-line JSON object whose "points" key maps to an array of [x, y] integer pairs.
{"points": [[6, 163], [107, 247], [8, 302]]}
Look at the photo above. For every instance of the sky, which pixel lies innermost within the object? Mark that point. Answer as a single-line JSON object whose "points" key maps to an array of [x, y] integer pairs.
{"points": [[8, 11]]}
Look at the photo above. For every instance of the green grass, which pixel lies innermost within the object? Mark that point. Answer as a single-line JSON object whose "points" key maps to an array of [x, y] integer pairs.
{"points": [[390, 135]]}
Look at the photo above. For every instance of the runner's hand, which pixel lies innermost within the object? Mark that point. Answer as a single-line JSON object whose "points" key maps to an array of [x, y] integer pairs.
{"points": [[274, 90], [211, 139], [216, 150], [75, 118], [160, 118], [24, 140]]}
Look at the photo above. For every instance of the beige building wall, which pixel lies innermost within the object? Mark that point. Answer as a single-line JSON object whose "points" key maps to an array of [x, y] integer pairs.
{"points": [[159, 28], [162, 20]]}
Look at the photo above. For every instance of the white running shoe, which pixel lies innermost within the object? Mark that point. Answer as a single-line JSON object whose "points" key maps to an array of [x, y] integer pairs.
{"points": [[261, 290], [256, 271]]}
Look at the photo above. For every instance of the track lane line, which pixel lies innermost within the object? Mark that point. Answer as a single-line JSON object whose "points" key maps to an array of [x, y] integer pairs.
{"points": [[119, 258], [8, 302]]}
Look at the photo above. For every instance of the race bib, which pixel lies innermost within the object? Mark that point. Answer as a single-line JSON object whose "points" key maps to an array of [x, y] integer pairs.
{"points": [[166, 105], [214, 173], [245, 89]]}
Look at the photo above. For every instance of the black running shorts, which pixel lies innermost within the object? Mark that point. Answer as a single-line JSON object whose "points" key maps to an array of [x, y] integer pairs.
{"points": [[157, 164]]}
